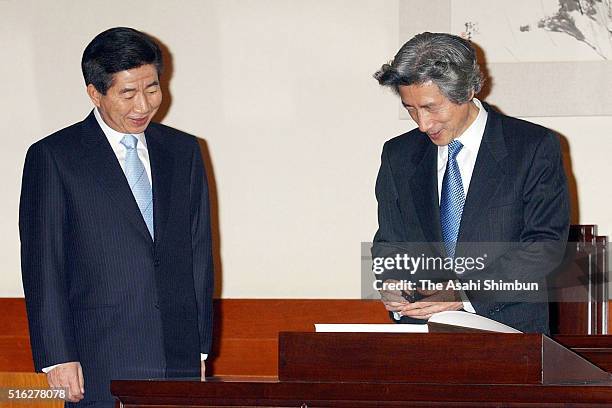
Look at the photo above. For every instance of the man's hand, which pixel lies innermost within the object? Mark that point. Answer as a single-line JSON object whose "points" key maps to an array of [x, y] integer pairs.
{"points": [[393, 300], [435, 301], [68, 376], [203, 370]]}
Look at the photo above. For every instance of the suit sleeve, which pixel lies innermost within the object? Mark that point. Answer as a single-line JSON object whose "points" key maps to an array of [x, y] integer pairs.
{"points": [[389, 236], [45, 280], [203, 270], [546, 208], [389, 215]]}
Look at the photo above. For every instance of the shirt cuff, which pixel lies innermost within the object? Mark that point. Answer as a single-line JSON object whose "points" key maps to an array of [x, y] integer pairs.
{"points": [[47, 369], [203, 357]]}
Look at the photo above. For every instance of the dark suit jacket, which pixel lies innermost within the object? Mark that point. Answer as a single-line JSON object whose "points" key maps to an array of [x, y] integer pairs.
{"points": [[98, 289], [517, 199]]}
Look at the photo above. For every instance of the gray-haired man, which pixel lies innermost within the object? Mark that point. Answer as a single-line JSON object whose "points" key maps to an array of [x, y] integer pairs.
{"points": [[469, 174]]}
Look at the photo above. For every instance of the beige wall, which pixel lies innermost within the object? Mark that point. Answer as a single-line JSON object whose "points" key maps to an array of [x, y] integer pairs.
{"points": [[281, 90]]}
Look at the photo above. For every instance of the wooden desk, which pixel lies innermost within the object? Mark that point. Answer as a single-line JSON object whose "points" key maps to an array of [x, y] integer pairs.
{"points": [[269, 392], [243, 391]]}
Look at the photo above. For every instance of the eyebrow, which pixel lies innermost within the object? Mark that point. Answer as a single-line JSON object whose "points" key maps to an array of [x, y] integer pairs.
{"points": [[427, 105], [126, 90]]}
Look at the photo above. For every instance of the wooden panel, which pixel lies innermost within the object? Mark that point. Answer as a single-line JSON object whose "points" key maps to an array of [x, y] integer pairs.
{"points": [[246, 357], [23, 380], [248, 318], [16, 354], [26, 381], [246, 330], [597, 349], [15, 351], [13, 318], [491, 358]]}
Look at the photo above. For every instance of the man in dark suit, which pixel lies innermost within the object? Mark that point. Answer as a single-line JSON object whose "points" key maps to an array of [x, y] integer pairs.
{"points": [[469, 182], [115, 234]]}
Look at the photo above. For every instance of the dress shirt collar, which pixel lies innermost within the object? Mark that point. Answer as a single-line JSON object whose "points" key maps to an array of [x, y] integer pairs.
{"points": [[114, 137], [470, 138]]}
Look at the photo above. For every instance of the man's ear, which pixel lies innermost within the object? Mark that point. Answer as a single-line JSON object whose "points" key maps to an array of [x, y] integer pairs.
{"points": [[94, 95]]}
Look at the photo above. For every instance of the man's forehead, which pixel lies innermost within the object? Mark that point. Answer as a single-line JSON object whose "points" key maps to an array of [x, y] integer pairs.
{"points": [[423, 94], [136, 76]]}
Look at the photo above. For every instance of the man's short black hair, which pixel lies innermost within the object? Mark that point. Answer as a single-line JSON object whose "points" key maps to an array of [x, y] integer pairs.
{"points": [[118, 49]]}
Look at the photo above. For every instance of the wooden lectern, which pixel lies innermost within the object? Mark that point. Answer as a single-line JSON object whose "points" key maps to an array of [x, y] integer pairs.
{"points": [[397, 370]]}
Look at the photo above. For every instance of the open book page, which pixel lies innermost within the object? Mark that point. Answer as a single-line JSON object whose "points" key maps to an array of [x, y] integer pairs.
{"points": [[459, 321]]}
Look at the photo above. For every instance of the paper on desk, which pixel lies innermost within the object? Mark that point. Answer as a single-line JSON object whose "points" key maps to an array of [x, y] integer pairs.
{"points": [[453, 320], [370, 328]]}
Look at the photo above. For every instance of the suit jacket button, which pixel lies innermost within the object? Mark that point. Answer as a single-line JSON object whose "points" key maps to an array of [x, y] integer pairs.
{"points": [[157, 306], [156, 262]]}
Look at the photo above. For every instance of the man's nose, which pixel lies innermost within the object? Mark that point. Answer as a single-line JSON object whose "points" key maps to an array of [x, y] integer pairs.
{"points": [[141, 104], [424, 121]]}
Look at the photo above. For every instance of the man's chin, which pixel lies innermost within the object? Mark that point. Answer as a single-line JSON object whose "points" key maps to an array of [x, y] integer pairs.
{"points": [[438, 139], [134, 130]]}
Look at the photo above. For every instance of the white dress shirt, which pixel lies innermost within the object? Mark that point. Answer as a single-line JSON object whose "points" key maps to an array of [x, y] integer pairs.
{"points": [[470, 139], [114, 138], [466, 159]]}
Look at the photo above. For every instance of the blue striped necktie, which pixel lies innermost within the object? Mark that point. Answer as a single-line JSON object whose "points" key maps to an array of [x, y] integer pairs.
{"points": [[138, 180], [452, 199]]}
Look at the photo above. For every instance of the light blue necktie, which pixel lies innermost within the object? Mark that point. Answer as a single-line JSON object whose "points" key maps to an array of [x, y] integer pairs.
{"points": [[138, 180], [452, 199]]}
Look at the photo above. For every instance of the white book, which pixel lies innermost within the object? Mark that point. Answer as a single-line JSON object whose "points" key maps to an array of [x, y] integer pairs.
{"points": [[370, 328], [455, 321]]}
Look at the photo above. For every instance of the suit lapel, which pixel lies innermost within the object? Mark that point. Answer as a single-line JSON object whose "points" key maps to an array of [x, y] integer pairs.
{"points": [[161, 173], [423, 184], [486, 178], [102, 163]]}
